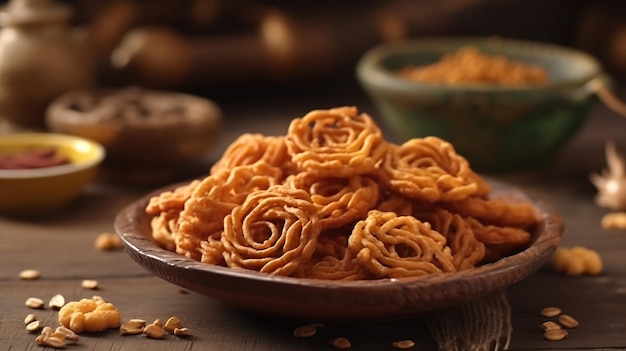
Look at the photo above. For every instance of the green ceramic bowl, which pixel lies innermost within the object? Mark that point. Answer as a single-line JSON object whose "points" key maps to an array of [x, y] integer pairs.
{"points": [[498, 129]]}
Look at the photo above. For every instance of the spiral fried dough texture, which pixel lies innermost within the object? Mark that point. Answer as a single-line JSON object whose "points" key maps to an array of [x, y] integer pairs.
{"points": [[388, 245], [164, 229], [428, 169], [274, 231], [250, 148], [391, 201], [482, 187], [171, 200], [333, 268], [214, 198], [338, 142], [211, 248], [332, 242], [466, 250], [339, 201], [166, 208], [332, 260], [333, 200], [499, 241], [501, 212]]}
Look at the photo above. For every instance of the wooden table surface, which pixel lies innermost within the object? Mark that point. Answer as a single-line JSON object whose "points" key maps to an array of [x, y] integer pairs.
{"points": [[61, 247]]}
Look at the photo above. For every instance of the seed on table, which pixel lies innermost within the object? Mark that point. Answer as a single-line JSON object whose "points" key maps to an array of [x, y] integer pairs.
{"points": [[136, 322], [46, 331], [154, 331], [132, 327], [568, 321], [30, 318], [89, 284], [30, 274], [33, 326], [39, 340], [181, 331], [34, 302], [158, 323], [56, 302], [54, 342], [128, 330], [305, 331], [555, 334], [403, 344], [341, 343], [67, 333], [108, 242], [549, 325], [172, 323], [550, 311], [58, 335]]}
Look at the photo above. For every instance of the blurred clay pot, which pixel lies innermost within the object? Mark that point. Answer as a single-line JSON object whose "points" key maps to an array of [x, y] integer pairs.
{"points": [[149, 135], [40, 58]]}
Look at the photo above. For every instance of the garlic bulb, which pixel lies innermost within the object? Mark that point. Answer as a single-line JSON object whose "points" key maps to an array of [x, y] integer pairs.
{"points": [[611, 183]]}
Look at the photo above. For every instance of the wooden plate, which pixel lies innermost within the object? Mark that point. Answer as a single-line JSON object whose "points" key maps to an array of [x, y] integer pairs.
{"points": [[321, 300]]}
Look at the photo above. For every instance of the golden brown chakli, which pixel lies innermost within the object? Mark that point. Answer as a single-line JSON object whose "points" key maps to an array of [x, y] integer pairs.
{"points": [[332, 199]]}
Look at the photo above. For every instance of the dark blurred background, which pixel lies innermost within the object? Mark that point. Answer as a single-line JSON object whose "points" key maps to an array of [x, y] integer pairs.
{"points": [[237, 52], [229, 49]]}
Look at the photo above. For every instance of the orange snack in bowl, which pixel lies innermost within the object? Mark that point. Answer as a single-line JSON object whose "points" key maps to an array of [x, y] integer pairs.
{"points": [[273, 231], [388, 245], [339, 201], [428, 169], [338, 142], [332, 199], [467, 251], [469, 66]]}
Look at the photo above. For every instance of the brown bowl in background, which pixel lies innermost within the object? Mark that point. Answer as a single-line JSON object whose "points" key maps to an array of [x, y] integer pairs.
{"points": [[148, 135]]}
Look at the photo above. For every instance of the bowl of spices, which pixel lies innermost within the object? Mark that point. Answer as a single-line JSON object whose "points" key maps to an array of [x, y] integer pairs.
{"points": [[150, 136], [505, 104], [41, 173]]}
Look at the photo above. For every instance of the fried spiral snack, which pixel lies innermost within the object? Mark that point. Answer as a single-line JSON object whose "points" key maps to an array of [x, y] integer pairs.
{"points": [[166, 208], [171, 200], [339, 201], [332, 260], [333, 200], [388, 245], [467, 251], [499, 212], [428, 169], [274, 231], [214, 198], [338, 142], [396, 203], [333, 268], [499, 241], [250, 148]]}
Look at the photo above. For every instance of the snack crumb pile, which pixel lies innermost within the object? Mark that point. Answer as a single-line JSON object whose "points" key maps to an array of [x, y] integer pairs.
{"points": [[577, 260], [108, 242], [89, 315], [614, 220]]}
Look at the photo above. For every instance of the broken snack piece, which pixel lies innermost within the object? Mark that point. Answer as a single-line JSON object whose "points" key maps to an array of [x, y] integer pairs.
{"points": [[90, 315]]}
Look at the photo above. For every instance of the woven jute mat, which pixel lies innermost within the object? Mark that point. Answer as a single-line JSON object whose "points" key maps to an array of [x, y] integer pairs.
{"points": [[480, 325]]}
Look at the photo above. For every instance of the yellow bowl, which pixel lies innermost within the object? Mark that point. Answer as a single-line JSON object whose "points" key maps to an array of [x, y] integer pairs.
{"points": [[45, 190]]}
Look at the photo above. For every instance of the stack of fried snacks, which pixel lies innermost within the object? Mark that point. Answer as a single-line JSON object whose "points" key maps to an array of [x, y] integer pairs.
{"points": [[332, 199]]}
